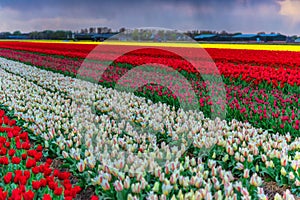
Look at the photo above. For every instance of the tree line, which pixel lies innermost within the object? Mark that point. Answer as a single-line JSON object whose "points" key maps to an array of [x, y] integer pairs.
{"points": [[46, 34], [139, 34]]}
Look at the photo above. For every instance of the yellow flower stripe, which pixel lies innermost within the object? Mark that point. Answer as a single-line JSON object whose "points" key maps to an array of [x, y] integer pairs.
{"points": [[274, 47]]}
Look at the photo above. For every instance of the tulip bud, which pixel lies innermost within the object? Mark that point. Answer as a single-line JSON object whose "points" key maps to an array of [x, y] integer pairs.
{"points": [[242, 159], [250, 158], [162, 177], [257, 168], [193, 162], [156, 187], [283, 161], [218, 195], [166, 189], [278, 197], [198, 182], [294, 165], [246, 173], [180, 195], [255, 180], [81, 166], [130, 197], [127, 182], [65, 154], [214, 156], [291, 176], [118, 186], [225, 158], [136, 188], [235, 147], [105, 185], [61, 145], [173, 179], [283, 172], [272, 164], [297, 183], [237, 156], [198, 195], [264, 158], [239, 166]]}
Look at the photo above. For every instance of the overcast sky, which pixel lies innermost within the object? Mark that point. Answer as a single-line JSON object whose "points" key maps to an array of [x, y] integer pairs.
{"points": [[248, 16]]}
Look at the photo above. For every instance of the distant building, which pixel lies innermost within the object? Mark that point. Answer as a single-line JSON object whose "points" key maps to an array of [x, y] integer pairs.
{"points": [[206, 37], [242, 37], [297, 40], [102, 36], [93, 37], [272, 37], [19, 37], [245, 37], [82, 36]]}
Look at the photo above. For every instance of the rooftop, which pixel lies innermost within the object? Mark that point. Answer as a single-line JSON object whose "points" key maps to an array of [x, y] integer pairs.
{"points": [[245, 36], [202, 36]]}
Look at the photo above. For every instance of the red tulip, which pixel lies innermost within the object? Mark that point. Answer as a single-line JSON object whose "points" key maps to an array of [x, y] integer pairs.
{"points": [[16, 160], [39, 148], [58, 191], [24, 156], [47, 197], [11, 152], [26, 145], [94, 197], [36, 185], [29, 195], [30, 163], [35, 169], [4, 161], [8, 177]]}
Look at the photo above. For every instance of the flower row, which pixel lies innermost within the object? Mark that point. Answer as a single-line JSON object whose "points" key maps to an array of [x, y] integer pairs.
{"points": [[123, 144], [260, 72], [257, 57], [268, 109], [25, 176]]}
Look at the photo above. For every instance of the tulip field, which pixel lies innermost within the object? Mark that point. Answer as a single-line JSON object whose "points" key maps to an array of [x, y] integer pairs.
{"points": [[68, 132]]}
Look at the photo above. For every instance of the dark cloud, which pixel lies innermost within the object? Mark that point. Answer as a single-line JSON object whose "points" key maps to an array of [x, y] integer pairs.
{"points": [[231, 15]]}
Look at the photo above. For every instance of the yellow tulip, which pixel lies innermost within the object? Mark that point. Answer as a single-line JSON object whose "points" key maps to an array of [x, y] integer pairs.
{"points": [[283, 172], [156, 187]]}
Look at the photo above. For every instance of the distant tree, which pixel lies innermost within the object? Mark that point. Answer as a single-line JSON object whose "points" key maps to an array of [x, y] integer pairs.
{"points": [[224, 33], [294, 37], [173, 36], [161, 35], [122, 29], [84, 31], [92, 30], [237, 33], [17, 33], [195, 32], [6, 33], [135, 34], [206, 32], [145, 35], [189, 33], [33, 35], [59, 35], [47, 34], [259, 33]]}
